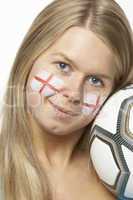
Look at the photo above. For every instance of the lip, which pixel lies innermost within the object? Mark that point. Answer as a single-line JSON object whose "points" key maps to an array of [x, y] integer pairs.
{"points": [[63, 110]]}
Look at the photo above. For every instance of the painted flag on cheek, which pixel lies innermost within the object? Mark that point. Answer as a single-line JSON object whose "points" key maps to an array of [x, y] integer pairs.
{"points": [[46, 83], [91, 102]]}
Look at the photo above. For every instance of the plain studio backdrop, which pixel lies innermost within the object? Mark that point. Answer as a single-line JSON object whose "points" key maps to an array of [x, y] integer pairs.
{"points": [[15, 20]]}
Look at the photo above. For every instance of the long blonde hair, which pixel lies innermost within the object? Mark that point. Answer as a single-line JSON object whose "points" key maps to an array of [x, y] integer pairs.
{"points": [[21, 172]]}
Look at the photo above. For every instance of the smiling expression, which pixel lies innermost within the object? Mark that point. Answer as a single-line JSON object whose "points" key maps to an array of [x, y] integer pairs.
{"points": [[48, 85], [70, 81]]}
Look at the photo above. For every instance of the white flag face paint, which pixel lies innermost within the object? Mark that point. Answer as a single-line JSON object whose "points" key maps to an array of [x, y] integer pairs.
{"points": [[35, 85], [46, 83], [92, 103], [101, 101]]}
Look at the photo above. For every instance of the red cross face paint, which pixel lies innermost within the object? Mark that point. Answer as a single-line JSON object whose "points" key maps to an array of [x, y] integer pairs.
{"points": [[46, 83], [92, 103]]}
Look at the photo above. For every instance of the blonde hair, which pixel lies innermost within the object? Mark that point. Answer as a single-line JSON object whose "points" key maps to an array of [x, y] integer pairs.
{"points": [[22, 174]]}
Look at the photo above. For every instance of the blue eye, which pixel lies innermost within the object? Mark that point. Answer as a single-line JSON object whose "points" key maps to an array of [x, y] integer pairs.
{"points": [[96, 81], [63, 66]]}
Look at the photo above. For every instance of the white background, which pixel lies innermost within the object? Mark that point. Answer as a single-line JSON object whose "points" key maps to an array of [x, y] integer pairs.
{"points": [[15, 19]]}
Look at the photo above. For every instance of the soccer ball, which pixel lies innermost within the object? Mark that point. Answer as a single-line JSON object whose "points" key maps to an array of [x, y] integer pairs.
{"points": [[111, 143]]}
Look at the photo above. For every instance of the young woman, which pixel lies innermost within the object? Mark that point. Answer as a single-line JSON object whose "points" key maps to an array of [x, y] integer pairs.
{"points": [[75, 55]]}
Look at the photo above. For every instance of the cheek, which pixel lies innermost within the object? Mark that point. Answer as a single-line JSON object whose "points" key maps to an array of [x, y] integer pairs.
{"points": [[34, 99], [46, 83], [92, 103]]}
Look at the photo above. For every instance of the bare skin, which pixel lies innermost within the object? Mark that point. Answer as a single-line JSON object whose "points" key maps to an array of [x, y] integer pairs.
{"points": [[78, 181], [68, 170]]}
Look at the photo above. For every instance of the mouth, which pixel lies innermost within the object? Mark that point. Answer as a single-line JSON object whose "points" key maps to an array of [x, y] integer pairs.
{"points": [[63, 110]]}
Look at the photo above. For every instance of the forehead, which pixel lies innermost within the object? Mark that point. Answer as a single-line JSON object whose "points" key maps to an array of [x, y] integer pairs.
{"points": [[86, 50]]}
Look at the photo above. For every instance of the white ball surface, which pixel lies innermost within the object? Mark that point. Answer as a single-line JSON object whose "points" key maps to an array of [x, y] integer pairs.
{"points": [[111, 143]]}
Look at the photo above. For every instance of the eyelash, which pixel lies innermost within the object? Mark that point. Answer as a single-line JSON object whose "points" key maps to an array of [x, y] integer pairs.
{"points": [[58, 62], [91, 76]]}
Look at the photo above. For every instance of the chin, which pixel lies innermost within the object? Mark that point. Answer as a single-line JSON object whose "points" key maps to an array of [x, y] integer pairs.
{"points": [[53, 129]]}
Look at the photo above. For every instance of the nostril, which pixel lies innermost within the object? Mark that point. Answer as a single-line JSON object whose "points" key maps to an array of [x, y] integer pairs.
{"points": [[72, 97], [65, 95], [76, 102]]}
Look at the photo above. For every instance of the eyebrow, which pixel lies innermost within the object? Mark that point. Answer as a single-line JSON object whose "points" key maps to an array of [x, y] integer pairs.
{"points": [[75, 65]]}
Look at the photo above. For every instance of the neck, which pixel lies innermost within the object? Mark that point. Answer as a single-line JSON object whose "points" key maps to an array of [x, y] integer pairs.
{"points": [[56, 151]]}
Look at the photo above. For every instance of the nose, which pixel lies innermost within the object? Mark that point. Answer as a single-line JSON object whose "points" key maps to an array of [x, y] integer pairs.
{"points": [[72, 97], [74, 90]]}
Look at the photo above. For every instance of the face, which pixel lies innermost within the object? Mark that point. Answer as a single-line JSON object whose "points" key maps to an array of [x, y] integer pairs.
{"points": [[70, 81]]}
